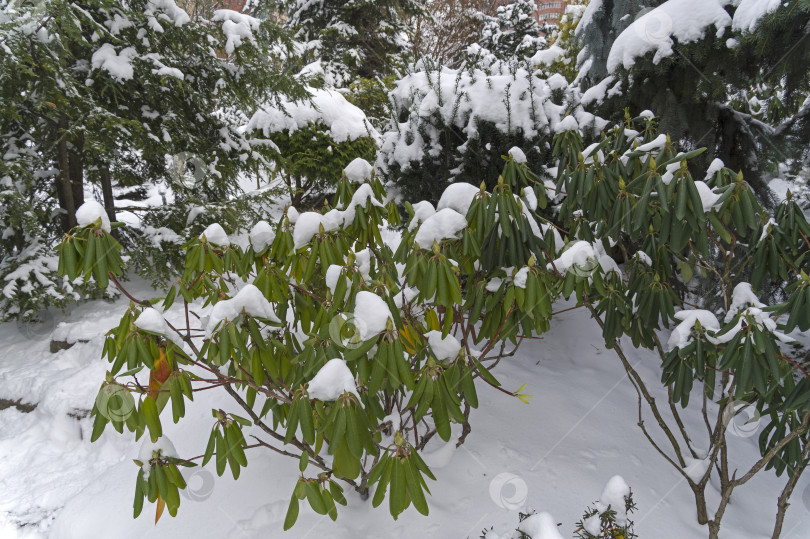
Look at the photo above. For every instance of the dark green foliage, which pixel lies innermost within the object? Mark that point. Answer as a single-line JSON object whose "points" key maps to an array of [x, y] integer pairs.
{"points": [[76, 113], [455, 126], [352, 38], [702, 91], [312, 162], [512, 31]]}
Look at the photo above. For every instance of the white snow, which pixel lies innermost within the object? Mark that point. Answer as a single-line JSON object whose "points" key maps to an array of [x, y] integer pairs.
{"points": [[696, 468], [117, 64], [743, 296], [656, 144], [358, 171], [249, 300], [262, 235], [329, 108], [331, 381], [548, 56], [458, 196], [643, 257], [750, 12], [715, 167], [579, 253], [569, 123], [708, 197], [540, 526], [163, 448], [767, 227], [613, 496], [331, 277], [446, 348], [421, 211], [371, 314], [597, 92], [518, 155], [444, 224], [237, 27], [520, 277], [152, 320], [90, 212], [215, 234], [529, 198], [308, 224], [681, 334], [656, 30]]}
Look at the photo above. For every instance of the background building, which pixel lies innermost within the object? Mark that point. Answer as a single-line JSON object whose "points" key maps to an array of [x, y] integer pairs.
{"points": [[550, 12]]}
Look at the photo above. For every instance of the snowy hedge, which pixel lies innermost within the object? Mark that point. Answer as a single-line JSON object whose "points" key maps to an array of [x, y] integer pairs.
{"points": [[454, 125]]}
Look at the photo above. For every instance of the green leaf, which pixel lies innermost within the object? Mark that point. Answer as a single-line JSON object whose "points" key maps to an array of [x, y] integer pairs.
{"points": [[292, 513], [150, 415]]}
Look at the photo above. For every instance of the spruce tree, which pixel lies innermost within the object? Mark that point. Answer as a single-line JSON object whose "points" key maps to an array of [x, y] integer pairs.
{"points": [[712, 91], [353, 38], [100, 93]]}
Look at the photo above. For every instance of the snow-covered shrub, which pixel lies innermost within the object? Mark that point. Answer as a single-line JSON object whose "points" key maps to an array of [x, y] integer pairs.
{"points": [[648, 53], [31, 283], [513, 31], [371, 96], [454, 125], [607, 519], [314, 139], [346, 334], [328, 328]]}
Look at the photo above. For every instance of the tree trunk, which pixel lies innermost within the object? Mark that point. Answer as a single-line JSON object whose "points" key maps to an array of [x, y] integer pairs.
{"points": [[106, 191], [64, 186], [75, 150]]}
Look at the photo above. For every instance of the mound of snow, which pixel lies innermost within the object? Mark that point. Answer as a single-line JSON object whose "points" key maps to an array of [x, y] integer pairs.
{"points": [[215, 234], [458, 196], [249, 300], [262, 235], [343, 120], [444, 224], [152, 320], [656, 30], [91, 211], [443, 348], [332, 381], [358, 170], [371, 314]]}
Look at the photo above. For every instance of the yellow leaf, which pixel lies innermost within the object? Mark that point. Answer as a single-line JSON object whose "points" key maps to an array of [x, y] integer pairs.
{"points": [[524, 398], [159, 509]]}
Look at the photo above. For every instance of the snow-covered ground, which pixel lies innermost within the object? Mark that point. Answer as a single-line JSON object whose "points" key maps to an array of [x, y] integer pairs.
{"points": [[554, 455]]}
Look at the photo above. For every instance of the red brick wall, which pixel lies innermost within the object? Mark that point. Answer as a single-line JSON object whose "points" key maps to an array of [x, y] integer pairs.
{"points": [[235, 5], [550, 11]]}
